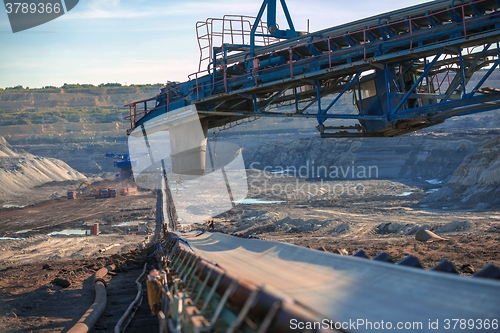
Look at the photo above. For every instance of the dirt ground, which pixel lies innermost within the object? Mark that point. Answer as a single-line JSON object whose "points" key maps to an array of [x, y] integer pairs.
{"points": [[33, 253], [373, 215]]}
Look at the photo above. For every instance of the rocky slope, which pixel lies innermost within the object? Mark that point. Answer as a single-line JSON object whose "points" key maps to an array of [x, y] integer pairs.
{"points": [[87, 155], [76, 97], [475, 182], [415, 156], [75, 125], [21, 172]]}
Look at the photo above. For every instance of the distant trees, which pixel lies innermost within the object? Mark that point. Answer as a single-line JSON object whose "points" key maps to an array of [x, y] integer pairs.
{"points": [[77, 86], [27, 88], [107, 85], [88, 86], [110, 85], [148, 85]]}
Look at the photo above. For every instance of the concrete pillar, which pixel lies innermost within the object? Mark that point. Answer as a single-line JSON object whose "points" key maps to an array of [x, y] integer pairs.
{"points": [[188, 144]]}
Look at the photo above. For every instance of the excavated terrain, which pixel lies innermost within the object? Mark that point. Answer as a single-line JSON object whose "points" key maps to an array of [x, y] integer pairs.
{"points": [[444, 180]]}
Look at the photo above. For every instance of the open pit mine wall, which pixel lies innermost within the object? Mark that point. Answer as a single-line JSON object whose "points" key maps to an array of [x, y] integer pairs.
{"points": [[468, 167], [408, 157], [80, 145], [72, 97], [87, 156], [59, 123], [475, 182]]}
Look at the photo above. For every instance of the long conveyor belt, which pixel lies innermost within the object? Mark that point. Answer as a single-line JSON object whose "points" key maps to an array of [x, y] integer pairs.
{"points": [[353, 290]]}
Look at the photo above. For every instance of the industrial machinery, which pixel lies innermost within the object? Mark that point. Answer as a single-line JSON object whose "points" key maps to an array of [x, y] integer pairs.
{"points": [[406, 70], [71, 194], [112, 192], [102, 193], [122, 162], [89, 185]]}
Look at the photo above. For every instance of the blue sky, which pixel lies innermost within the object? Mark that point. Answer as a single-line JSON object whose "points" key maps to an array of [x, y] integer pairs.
{"points": [[142, 41]]}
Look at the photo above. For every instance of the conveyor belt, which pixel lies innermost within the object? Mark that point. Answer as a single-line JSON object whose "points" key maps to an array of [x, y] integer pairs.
{"points": [[348, 289], [421, 58]]}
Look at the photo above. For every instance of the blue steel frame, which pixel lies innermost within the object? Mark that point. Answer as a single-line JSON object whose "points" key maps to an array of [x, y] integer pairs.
{"points": [[453, 39], [270, 5]]}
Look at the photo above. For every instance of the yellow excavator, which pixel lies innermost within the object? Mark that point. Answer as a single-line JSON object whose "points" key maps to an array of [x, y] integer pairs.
{"points": [[93, 190]]}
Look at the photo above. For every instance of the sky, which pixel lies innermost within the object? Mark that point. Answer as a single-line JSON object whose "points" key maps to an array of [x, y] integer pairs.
{"points": [[143, 41]]}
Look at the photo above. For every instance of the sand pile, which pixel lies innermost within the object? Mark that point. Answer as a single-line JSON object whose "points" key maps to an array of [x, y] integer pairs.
{"points": [[20, 171]]}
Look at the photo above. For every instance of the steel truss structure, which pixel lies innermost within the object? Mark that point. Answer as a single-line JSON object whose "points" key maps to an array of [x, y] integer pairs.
{"points": [[407, 69]]}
